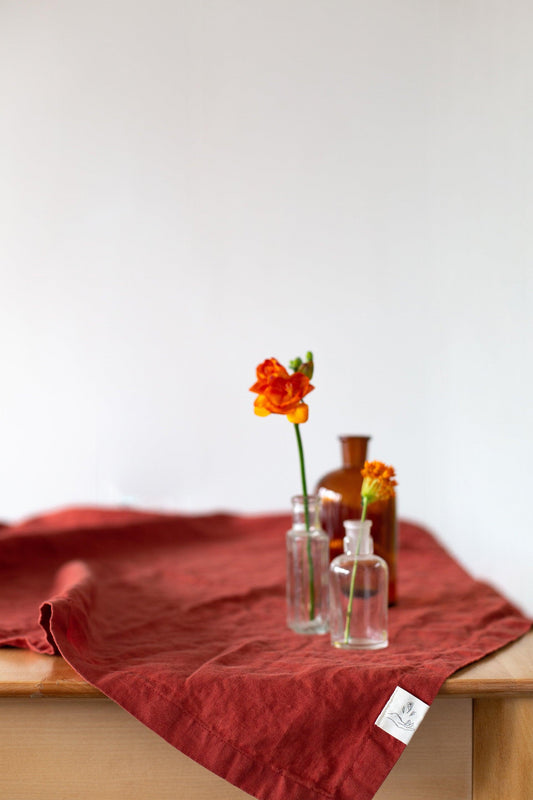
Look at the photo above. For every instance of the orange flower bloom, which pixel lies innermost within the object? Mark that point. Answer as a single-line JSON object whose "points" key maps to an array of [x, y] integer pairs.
{"points": [[300, 413], [378, 481], [281, 393], [270, 368]]}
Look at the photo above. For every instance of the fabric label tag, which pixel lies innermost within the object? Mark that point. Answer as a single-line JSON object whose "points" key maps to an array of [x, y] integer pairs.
{"points": [[402, 714]]}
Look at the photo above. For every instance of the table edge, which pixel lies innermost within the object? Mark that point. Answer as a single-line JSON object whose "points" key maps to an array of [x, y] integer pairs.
{"points": [[506, 672]]}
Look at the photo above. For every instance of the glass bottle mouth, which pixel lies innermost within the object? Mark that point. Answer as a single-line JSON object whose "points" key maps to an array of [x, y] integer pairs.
{"points": [[298, 500]]}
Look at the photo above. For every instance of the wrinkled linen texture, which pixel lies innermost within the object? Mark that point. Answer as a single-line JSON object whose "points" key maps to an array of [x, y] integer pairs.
{"points": [[180, 619]]}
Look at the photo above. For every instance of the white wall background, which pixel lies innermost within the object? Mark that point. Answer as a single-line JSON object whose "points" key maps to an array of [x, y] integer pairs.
{"points": [[188, 187]]}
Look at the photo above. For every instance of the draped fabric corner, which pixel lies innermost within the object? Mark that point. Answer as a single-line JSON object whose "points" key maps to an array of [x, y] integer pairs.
{"points": [[181, 620]]}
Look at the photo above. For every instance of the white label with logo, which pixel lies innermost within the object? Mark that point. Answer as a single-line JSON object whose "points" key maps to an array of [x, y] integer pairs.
{"points": [[402, 715]]}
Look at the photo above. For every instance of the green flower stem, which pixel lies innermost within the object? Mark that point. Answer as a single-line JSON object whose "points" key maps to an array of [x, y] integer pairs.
{"points": [[354, 570], [306, 512]]}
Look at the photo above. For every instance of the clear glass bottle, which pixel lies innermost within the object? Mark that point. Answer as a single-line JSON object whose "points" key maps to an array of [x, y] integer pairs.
{"points": [[358, 582], [340, 499], [307, 569]]}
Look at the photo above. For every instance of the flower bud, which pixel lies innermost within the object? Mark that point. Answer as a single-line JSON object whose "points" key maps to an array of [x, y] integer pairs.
{"points": [[295, 364]]}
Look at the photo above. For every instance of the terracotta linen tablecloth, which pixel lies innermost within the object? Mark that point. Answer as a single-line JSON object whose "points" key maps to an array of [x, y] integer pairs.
{"points": [[181, 620]]}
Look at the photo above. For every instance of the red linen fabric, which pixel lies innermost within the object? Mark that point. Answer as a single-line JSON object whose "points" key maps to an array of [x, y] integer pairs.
{"points": [[181, 620]]}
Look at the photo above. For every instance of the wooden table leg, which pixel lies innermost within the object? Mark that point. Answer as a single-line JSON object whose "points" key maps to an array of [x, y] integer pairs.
{"points": [[503, 748]]}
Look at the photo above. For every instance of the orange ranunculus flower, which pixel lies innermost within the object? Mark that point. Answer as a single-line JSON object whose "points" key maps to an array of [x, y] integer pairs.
{"points": [[270, 368], [280, 393]]}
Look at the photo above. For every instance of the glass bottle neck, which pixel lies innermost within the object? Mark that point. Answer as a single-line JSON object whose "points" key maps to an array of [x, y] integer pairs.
{"points": [[354, 450], [358, 540], [302, 519]]}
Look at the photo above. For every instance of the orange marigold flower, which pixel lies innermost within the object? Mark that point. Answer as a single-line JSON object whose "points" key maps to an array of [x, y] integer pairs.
{"points": [[378, 481], [281, 393]]}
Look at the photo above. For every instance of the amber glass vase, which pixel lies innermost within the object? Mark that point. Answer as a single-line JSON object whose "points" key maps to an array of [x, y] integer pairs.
{"points": [[340, 496]]}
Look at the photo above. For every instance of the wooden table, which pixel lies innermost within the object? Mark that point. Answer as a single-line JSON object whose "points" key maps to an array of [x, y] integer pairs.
{"points": [[61, 739]]}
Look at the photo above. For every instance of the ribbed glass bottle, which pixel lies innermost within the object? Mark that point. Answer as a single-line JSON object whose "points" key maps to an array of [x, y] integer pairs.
{"points": [[307, 569]]}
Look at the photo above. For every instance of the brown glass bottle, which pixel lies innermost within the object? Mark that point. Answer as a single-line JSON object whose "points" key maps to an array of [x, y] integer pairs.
{"points": [[340, 495]]}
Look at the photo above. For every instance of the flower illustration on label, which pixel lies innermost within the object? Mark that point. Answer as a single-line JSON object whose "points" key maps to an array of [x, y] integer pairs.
{"points": [[405, 719]]}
